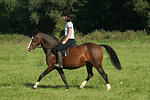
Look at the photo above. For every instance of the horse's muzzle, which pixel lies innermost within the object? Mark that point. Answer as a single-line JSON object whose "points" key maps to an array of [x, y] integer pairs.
{"points": [[29, 49]]}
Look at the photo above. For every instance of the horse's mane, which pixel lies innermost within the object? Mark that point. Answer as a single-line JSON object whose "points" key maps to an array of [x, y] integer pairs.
{"points": [[49, 34]]}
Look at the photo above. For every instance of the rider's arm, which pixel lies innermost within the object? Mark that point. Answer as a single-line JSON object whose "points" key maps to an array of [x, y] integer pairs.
{"points": [[69, 34]]}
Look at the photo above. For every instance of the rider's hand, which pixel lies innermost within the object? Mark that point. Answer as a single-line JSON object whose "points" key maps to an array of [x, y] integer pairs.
{"points": [[63, 42]]}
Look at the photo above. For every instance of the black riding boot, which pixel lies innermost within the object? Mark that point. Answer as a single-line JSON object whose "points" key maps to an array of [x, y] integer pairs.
{"points": [[60, 61]]}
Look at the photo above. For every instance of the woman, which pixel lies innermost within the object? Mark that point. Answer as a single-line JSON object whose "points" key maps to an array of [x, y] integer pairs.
{"points": [[69, 37]]}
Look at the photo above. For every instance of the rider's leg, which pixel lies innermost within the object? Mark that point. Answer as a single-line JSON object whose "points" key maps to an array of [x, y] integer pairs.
{"points": [[59, 49], [60, 60]]}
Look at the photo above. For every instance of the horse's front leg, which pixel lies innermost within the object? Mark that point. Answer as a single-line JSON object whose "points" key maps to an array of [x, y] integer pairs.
{"points": [[49, 69], [63, 77]]}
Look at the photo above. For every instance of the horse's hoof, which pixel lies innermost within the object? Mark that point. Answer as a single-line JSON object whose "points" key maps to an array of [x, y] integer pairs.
{"points": [[81, 87], [34, 87], [66, 89], [108, 89], [83, 84]]}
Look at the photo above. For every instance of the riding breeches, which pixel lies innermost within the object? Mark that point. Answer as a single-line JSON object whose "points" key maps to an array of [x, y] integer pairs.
{"points": [[67, 44]]}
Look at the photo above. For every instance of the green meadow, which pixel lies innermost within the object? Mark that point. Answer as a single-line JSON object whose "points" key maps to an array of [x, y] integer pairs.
{"points": [[20, 69]]}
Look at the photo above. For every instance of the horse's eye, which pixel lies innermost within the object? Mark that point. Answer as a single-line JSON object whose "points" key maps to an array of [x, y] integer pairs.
{"points": [[33, 40]]}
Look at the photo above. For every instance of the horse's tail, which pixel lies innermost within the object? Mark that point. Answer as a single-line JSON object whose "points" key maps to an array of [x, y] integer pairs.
{"points": [[113, 56]]}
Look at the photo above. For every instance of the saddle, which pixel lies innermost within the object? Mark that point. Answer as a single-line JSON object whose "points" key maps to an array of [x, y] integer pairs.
{"points": [[65, 51]]}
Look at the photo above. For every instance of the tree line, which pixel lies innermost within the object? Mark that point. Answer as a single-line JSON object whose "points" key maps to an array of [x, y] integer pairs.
{"points": [[23, 16]]}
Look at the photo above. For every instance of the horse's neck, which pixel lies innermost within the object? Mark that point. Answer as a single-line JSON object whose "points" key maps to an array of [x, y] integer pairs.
{"points": [[48, 43]]}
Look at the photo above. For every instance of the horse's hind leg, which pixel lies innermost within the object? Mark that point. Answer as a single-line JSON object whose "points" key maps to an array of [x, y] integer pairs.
{"points": [[49, 69], [104, 75], [89, 67]]}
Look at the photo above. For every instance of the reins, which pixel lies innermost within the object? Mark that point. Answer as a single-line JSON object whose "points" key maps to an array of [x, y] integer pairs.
{"points": [[43, 47], [58, 43], [53, 48]]}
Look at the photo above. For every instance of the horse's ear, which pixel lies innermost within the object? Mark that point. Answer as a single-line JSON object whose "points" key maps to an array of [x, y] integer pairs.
{"points": [[35, 32]]}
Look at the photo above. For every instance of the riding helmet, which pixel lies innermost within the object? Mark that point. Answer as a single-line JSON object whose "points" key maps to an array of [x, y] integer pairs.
{"points": [[65, 13]]}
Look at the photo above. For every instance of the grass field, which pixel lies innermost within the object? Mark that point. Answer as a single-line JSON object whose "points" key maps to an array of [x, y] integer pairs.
{"points": [[20, 69]]}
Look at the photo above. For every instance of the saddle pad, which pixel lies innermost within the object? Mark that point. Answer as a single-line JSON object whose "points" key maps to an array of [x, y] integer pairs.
{"points": [[66, 51]]}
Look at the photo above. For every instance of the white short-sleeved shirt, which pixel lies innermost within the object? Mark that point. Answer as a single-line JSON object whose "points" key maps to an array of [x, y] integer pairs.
{"points": [[69, 25]]}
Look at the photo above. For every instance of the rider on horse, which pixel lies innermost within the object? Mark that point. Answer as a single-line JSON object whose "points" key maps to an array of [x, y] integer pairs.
{"points": [[69, 35]]}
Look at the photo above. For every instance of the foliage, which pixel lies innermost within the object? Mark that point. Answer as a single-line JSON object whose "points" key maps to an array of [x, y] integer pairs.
{"points": [[13, 39], [4, 19], [143, 9], [23, 16], [102, 35], [48, 11], [108, 14], [97, 36]]}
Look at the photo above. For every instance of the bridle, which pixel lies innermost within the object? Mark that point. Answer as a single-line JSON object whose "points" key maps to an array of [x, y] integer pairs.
{"points": [[38, 42], [36, 39], [33, 42]]}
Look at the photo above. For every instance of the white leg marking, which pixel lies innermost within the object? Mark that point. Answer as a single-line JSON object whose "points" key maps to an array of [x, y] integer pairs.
{"points": [[83, 84], [108, 86], [36, 84]]}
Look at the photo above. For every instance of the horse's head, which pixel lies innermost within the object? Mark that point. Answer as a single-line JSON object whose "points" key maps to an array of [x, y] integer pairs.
{"points": [[35, 42]]}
